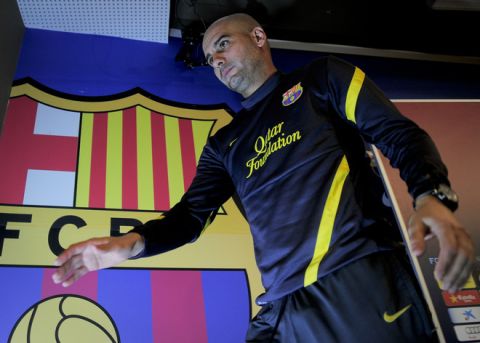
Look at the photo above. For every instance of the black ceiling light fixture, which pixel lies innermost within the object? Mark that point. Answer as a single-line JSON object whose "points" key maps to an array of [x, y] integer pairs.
{"points": [[192, 17], [191, 53], [186, 19]]}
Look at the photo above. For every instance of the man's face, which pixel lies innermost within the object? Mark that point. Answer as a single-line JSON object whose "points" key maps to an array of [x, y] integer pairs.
{"points": [[233, 55]]}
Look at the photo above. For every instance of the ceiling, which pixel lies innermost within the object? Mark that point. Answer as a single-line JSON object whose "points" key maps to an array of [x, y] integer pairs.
{"points": [[424, 29], [146, 20], [445, 27]]}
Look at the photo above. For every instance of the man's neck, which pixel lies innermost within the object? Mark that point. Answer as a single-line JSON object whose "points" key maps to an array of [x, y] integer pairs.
{"points": [[261, 80], [266, 88]]}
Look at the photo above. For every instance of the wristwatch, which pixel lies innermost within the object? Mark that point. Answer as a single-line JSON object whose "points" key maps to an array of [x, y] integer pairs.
{"points": [[445, 194]]}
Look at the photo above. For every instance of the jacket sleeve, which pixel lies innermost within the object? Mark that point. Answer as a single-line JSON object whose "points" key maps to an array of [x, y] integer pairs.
{"points": [[185, 222], [408, 147]]}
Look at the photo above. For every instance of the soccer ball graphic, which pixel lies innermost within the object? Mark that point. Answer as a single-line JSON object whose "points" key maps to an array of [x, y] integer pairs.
{"points": [[65, 319]]}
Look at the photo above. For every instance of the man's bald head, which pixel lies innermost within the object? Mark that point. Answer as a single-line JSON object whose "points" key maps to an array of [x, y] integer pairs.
{"points": [[240, 22], [236, 46]]}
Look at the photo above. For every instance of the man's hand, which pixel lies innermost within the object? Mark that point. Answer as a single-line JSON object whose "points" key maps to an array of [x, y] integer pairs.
{"points": [[94, 254], [457, 254]]}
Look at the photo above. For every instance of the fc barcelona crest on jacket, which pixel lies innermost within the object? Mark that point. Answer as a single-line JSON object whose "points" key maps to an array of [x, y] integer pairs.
{"points": [[292, 95]]}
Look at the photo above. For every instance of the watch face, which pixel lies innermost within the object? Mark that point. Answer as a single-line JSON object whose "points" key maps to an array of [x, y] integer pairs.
{"points": [[447, 196], [445, 192]]}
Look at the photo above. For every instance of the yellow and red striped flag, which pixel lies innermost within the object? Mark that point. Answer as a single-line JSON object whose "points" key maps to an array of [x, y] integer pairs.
{"points": [[137, 158]]}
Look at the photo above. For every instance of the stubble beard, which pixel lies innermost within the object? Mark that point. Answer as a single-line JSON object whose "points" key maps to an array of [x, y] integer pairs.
{"points": [[241, 81], [236, 83], [244, 76]]}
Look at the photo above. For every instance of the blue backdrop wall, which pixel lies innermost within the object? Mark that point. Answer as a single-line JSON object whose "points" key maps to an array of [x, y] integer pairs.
{"points": [[96, 65]]}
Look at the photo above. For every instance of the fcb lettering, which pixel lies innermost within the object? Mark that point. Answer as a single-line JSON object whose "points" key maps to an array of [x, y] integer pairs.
{"points": [[9, 223]]}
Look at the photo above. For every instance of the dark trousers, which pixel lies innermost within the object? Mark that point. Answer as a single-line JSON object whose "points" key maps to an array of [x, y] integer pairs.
{"points": [[349, 305]]}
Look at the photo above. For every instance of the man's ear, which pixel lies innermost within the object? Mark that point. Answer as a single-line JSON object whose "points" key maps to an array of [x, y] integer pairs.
{"points": [[259, 36]]}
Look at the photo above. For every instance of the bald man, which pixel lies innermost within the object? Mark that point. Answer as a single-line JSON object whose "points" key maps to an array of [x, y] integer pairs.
{"points": [[331, 260]]}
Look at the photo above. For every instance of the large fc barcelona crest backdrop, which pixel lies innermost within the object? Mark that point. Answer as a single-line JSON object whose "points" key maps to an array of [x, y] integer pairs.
{"points": [[74, 168]]}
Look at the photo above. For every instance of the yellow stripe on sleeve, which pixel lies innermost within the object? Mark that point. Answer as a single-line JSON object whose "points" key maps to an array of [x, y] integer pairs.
{"points": [[113, 187], [84, 161], [144, 160], [352, 94], [325, 229]]}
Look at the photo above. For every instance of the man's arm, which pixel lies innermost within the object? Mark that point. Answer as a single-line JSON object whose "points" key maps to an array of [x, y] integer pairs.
{"points": [[432, 218], [177, 227], [411, 150], [182, 224]]}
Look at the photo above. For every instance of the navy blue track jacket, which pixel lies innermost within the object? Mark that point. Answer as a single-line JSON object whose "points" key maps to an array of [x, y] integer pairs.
{"points": [[296, 158]]}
